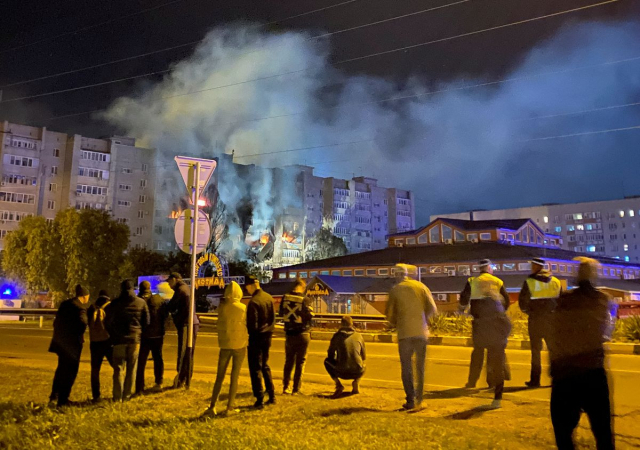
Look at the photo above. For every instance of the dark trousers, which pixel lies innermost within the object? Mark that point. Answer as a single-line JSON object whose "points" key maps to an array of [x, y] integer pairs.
{"points": [[153, 346], [63, 380], [185, 360], [99, 352], [295, 351], [335, 373], [588, 392], [258, 351], [538, 330]]}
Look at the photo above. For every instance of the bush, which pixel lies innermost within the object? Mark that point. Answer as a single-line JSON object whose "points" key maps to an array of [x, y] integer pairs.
{"points": [[629, 328]]}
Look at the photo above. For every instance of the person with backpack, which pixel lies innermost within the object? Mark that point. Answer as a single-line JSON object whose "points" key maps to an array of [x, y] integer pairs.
{"points": [[296, 311], [100, 343]]}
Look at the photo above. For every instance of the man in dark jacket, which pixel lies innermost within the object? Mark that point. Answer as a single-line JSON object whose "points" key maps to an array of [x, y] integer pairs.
{"points": [[179, 308], [127, 318], [68, 337], [152, 337], [100, 344], [537, 299], [261, 319], [296, 311], [346, 357], [576, 348]]}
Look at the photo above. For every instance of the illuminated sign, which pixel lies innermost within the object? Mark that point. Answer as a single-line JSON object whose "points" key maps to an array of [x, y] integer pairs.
{"points": [[317, 290], [210, 282], [209, 259]]}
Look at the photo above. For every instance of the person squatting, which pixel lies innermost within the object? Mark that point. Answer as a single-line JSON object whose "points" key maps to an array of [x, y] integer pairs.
{"points": [[125, 330]]}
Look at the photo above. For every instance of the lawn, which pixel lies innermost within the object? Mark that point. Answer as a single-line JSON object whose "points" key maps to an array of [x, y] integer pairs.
{"points": [[172, 419]]}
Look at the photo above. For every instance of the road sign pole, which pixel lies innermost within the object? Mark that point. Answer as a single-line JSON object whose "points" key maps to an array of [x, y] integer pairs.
{"points": [[195, 196]]}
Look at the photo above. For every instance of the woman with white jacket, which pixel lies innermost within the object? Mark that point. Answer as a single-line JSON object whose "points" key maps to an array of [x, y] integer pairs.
{"points": [[232, 340]]}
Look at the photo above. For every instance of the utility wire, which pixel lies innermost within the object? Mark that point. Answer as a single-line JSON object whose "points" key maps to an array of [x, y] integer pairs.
{"points": [[576, 113], [585, 133], [344, 61], [155, 52]]}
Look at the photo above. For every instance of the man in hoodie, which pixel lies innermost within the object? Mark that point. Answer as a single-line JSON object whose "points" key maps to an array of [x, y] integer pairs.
{"points": [[296, 311], [409, 306], [232, 340], [179, 308], [100, 344], [68, 337], [152, 337], [261, 319], [127, 318], [576, 349], [346, 357], [537, 299]]}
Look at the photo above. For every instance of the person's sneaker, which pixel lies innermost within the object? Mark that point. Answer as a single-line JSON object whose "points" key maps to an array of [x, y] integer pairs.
{"points": [[338, 392], [469, 386], [287, 391], [231, 412], [355, 387], [297, 392], [210, 412], [495, 404], [271, 401], [97, 400], [531, 384], [156, 387], [408, 406], [259, 404]]}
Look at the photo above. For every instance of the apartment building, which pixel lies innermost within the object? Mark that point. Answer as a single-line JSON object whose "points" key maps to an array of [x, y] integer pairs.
{"points": [[604, 228], [45, 171]]}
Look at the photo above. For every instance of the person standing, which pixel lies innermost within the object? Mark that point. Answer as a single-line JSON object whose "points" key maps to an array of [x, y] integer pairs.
{"points": [[537, 299], [100, 344], [69, 326], [179, 308], [127, 318], [296, 311], [490, 327], [232, 340], [346, 357], [410, 305], [152, 337], [579, 380], [261, 320]]}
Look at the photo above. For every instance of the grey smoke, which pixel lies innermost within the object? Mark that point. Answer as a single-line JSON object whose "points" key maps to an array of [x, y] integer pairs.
{"points": [[456, 149]]}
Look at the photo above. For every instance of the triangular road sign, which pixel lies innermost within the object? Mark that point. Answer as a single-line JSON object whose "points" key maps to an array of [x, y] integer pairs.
{"points": [[185, 164]]}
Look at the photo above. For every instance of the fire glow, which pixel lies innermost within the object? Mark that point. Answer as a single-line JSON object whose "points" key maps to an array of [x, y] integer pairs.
{"points": [[287, 237]]}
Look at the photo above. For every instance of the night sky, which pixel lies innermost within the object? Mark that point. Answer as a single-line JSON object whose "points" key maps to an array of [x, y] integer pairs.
{"points": [[39, 39]]}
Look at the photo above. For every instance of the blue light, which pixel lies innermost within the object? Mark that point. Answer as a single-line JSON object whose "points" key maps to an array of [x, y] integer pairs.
{"points": [[626, 258], [7, 292]]}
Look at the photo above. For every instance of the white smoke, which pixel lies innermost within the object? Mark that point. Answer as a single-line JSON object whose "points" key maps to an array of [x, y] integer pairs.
{"points": [[455, 149]]}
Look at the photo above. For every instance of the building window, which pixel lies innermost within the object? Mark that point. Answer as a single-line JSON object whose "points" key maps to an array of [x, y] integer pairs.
{"points": [[563, 268], [93, 190], [139, 231], [422, 239], [53, 187], [142, 198], [124, 187], [580, 227], [554, 267], [51, 204], [472, 237], [158, 229], [293, 275], [93, 173], [143, 183], [435, 269], [140, 214], [333, 272], [411, 241], [383, 271], [524, 267], [545, 219], [127, 170], [54, 170], [56, 152], [95, 156], [434, 234], [399, 242], [449, 269], [464, 270], [122, 220], [358, 272], [591, 248], [126, 203], [626, 247], [485, 236], [303, 274], [509, 267], [631, 213], [347, 273], [145, 167], [371, 272], [13, 197], [571, 228], [447, 233], [282, 275], [21, 161], [558, 229], [458, 236]]}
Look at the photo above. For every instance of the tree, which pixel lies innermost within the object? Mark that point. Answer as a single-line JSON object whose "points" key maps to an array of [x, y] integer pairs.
{"points": [[179, 262], [146, 262], [219, 228], [324, 245]]}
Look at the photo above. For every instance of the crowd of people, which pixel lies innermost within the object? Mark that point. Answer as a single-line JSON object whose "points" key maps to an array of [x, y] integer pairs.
{"points": [[125, 330]]}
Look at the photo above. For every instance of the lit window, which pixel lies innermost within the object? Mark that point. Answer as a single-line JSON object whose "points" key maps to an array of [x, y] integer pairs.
{"points": [[631, 213], [577, 216], [626, 258], [545, 219], [580, 227], [626, 247], [558, 229], [571, 228], [591, 248], [621, 213]]}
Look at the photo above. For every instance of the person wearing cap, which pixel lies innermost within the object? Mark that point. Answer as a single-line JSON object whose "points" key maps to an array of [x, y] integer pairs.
{"points": [[261, 319], [537, 299], [127, 318], [69, 326], [579, 379], [232, 340], [152, 337], [100, 344], [295, 309], [410, 305], [488, 301], [178, 306]]}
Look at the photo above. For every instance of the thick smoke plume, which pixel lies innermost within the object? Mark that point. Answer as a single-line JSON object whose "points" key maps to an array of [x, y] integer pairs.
{"points": [[460, 148]]}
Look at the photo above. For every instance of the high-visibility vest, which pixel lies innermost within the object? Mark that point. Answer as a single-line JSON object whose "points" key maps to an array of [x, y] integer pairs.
{"points": [[485, 285], [539, 289]]}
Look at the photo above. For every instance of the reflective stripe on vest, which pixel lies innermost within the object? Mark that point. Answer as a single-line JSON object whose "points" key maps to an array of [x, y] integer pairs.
{"points": [[540, 289], [485, 285]]}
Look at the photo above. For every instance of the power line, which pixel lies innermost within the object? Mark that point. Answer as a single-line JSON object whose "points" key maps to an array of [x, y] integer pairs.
{"points": [[585, 133], [89, 27], [575, 113], [77, 88]]}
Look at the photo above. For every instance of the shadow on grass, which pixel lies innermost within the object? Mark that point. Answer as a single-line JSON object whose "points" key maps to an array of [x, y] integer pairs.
{"points": [[450, 393], [470, 413], [334, 397], [347, 411]]}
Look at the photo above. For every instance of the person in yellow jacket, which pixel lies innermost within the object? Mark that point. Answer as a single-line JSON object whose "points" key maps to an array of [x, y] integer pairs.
{"points": [[488, 300], [537, 299]]}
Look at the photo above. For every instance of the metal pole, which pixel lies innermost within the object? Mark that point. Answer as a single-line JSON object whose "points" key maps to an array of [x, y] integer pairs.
{"points": [[194, 245], [41, 321]]}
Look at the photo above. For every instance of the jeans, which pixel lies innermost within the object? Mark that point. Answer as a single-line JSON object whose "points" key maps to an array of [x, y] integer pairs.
{"points": [[99, 351], [335, 373], [295, 351], [538, 330], [63, 380], [259, 345], [185, 361], [224, 357], [153, 346], [588, 392], [409, 347], [125, 362]]}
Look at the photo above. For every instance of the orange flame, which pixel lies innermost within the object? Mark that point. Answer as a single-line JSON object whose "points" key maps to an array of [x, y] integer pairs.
{"points": [[264, 240], [174, 214], [287, 237]]}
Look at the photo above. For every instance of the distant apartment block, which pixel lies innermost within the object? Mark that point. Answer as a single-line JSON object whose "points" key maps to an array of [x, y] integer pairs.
{"points": [[604, 228]]}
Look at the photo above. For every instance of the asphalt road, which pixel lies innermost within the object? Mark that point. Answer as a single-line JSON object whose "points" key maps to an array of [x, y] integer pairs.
{"points": [[447, 367]]}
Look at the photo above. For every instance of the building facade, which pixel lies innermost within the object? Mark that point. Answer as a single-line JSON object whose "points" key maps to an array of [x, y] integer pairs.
{"points": [[606, 228], [44, 172]]}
